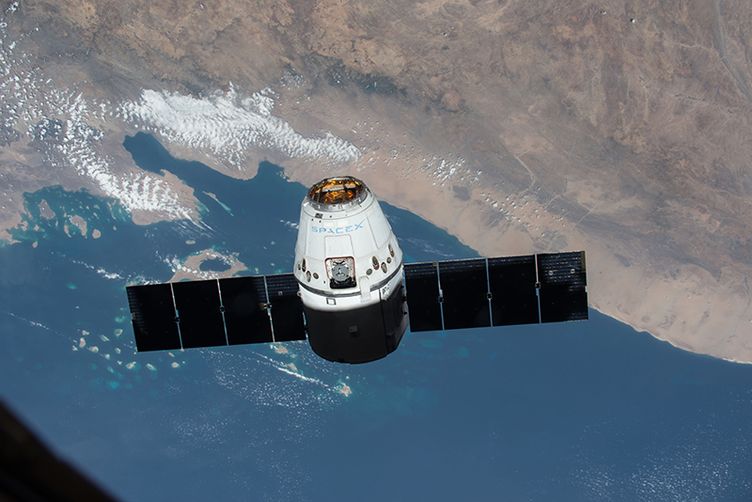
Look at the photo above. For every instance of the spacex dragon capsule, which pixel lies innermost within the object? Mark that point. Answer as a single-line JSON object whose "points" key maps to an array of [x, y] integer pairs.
{"points": [[351, 295], [349, 267]]}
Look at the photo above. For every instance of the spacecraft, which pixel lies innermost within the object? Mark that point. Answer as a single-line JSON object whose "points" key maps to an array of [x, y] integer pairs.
{"points": [[351, 295]]}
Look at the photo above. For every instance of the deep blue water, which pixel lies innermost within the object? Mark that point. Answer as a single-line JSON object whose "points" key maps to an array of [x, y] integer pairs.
{"points": [[570, 412]]}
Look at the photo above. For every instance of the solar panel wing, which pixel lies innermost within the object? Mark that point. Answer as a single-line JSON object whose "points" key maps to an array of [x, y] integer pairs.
{"points": [[153, 316], [514, 298], [244, 301], [563, 286], [464, 288], [422, 284], [198, 307], [287, 309]]}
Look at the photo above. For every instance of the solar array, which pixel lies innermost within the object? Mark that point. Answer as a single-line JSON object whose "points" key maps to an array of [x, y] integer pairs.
{"points": [[486, 292], [453, 294], [232, 311]]}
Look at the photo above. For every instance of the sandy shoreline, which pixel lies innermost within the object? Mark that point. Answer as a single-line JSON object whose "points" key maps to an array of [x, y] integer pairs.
{"points": [[609, 280], [685, 307], [647, 170], [670, 342]]}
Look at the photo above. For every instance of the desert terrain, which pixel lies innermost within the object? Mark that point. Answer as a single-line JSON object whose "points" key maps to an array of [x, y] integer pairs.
{"points": [[621, 127]]}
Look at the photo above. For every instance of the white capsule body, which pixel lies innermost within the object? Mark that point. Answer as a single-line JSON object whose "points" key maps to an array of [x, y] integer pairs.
{"points": [[349, 265], [360, 232]]}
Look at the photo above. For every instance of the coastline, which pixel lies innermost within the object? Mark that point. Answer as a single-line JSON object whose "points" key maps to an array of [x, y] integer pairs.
{"points": [[673, 302], [671, 342], [634, 293]]}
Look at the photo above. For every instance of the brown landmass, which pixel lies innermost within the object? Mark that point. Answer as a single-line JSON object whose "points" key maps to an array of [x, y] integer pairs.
{"points": [[620, 127], [190, 268]]}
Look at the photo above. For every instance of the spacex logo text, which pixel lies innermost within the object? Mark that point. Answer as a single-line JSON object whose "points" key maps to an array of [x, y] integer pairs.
{"points": [[337, 230]]}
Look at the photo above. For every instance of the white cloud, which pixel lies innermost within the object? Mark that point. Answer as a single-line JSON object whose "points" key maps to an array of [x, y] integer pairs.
{"points": [[228, 125]]}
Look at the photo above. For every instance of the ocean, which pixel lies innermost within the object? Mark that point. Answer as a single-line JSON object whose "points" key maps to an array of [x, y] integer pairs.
{"points": [[569, 412]]}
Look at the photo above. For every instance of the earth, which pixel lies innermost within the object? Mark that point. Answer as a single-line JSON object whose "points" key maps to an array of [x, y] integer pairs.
{"points": [[574, 412], [153, 141], [618, 126]]}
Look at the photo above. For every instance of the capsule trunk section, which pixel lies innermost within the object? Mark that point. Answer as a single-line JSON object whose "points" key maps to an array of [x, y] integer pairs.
{"points": [[349, 267]]}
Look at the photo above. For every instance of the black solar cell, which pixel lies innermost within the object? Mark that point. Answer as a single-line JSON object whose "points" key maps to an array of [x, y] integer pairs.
{"points": [[464, 287], [287, 308], [244, 300], [563, 290], [153, 316], [421, 281], [513, 294], [201, 322]]}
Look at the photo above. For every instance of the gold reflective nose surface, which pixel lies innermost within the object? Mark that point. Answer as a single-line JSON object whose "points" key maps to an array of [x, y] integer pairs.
{"points": [[337, 190]]}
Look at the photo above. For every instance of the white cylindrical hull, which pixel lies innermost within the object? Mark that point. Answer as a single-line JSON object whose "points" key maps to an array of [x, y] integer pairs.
{"points": [[349, 267]]}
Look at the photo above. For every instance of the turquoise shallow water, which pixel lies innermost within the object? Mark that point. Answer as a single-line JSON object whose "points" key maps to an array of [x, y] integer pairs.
{"points": [[579, 411]]}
